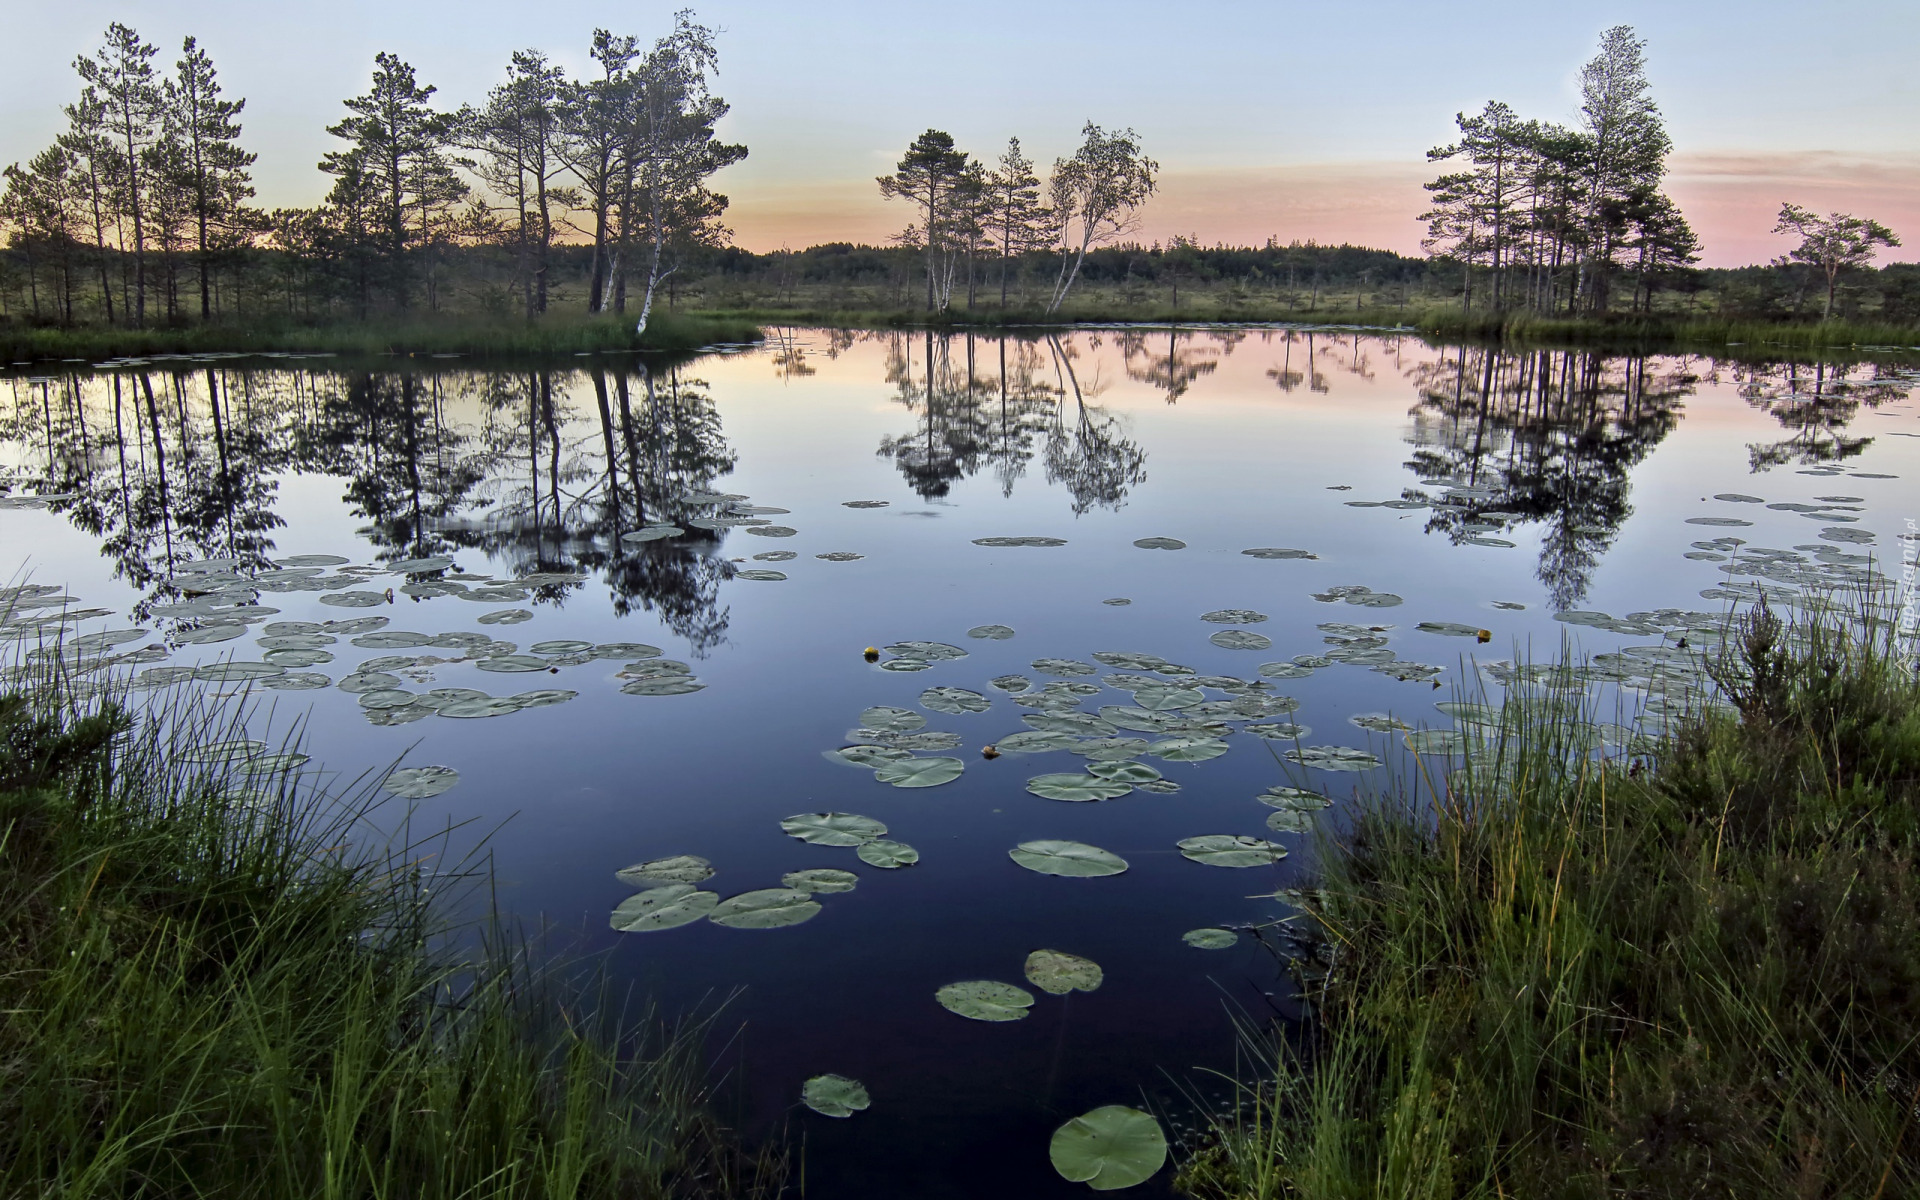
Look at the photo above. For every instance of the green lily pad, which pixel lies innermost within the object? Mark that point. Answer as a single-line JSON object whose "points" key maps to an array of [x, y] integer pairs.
{"points": [[354, 599], [1057, 973], [1111, 749], [1277, 552], [820, 880], [761, 576], [867, 758], [1160, 787], [386, 698], [236, 672], [1123, 772], [1160, 543], [954, 700], [1166, 697], [650, 533], [1231, 850], [1116, 602], [1290, 820], [776, 556], [767, 908], [1076, 787], [1109, 1148], [833, 828], [296, 681], [1210, 939], [840, 556], [1378, 722], [473, 709], [930, 651], [1062, 666], [505, 616], [560, 646], [888, 719], [1437, 741], [1051, 856], [1729, 521], [985, 1000], [905, 664], [1284, 670], [1448, 629], [834, 1095], [1010, 683], [1294, 798], [1241, 639], [998, 633], [511, 664], [1278, 731], [775, 531], [1034, 741], [920, 772], [1332, 758], [1019, 541], [865, 503], [680, 868], [887, 854], [663, 908], [1389, 600], [1188, 749], [666, 685], [420, 783], [927, 739]]}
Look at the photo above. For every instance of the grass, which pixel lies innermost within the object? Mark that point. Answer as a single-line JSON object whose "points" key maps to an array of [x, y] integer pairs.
{"points": [[1694, 974], [205, 991], [446, 334]]}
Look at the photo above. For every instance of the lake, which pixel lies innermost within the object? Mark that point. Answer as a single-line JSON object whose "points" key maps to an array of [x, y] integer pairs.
{"points": [[1169, 568]]}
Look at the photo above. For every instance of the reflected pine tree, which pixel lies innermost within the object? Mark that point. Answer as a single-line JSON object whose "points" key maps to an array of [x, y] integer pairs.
{"points": [[1539, 436], [1171, 359], [1815, 402]]}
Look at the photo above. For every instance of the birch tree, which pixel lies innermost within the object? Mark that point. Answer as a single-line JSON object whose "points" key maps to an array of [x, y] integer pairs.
{"points": [[1097, 195]]}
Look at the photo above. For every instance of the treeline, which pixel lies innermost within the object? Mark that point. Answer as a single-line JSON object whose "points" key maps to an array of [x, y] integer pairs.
{"points": [[140, 211]]}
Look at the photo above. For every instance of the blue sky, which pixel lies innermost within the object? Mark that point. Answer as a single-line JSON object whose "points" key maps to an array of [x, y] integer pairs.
{"points": [[1291, 119]]}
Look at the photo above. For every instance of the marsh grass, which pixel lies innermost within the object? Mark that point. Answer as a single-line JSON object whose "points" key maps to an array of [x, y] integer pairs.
{"points": [[207, 989], [475, 336], [1693, 971]]}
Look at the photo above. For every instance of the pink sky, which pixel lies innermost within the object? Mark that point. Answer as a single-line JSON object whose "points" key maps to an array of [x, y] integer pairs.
{"points": [[1731, 199]]}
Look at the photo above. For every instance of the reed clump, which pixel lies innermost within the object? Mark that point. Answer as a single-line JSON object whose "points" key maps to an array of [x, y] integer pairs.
{"points": [[1690, 972], [206, 990]]}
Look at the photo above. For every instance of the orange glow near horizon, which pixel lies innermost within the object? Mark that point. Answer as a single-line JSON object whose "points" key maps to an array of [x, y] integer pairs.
{"points": [[1732, 200]]}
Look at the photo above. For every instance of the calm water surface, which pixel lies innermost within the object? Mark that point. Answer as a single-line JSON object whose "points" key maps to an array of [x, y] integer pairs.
{"points": [[1483, 490]]}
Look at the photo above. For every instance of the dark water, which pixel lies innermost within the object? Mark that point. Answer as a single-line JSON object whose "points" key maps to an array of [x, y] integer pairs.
{"points": [[1590, 466]]}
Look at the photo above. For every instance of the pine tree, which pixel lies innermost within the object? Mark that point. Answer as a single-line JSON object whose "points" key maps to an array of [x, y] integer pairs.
{"points": [[927, 176], [205, 131], [121, 75], [1018, 218]]}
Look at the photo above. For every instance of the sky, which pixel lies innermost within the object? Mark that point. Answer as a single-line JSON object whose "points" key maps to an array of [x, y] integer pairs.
{"points": [[1278, 119]]}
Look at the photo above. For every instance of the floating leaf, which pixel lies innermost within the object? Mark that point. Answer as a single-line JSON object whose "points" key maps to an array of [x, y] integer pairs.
{"points": [[1160, 543], [650, 533], [354, 599], [1284, 670], [775, 556], [954, 700], [420, 566], [930, 651], [472, 709], [1077, 787], [1062, 666], [998, 633], [561, 646], [767, 908], [1437, 741], [865, 503], [668, 685], [1161, 787], [1233, 616], [761, 576], [1332, 758], [1113, 749], [680, 868], [1123, 772], [1241, 639], [1034, 741], [1388, 599], [1278, 731], [835, 1095], [420, 783], [920, 772], [1210, 939], [1019, 541], [889, 719], [1298, 799], [1057, 973], [840, 556], [1188, 749], [1231, 850], [820, 880], [1730, 521], [1051, 856], [1448, 629], [833, 828], [865, 757], [1083, 724], [1277, 552], [775, 531], [1290, 820], [887, 854], [663, 908], [985, 1000], [1378, 722], [1116, 602], [513, 664], [1167, 697], [1109, 1148]]}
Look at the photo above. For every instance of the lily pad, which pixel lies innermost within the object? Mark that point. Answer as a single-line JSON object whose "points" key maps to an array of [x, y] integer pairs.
{"points": [[665, 685], [1284, 670], [1109, 1148], [1112, 749], [954, 700], [865, 503], [512, 664], [1231, 850], [820, 880], [1077, 787], [1233, 616], [1729, 521], [929, 651], [420, 566], [1290, 820], [1448, 629], [1188, 749], [1062, 666], [1333, 758], [1277, 552], [650, 533], [663, 908], [1210, 939], [1378, 722], [1241, 639], [920, 772], [475, 709], [776, 531], [1166, 697], [420, 783], [1123, 772], [1116, 602], [767, 908], [1050, 856], [840, 556], [680, 868], [1057, 972], [1020, 541], [887, 854], [761, 576], [561, 646], [833, 828], [1083, 724], [1159, 787], [775, 556], [1034, 741], [998, 633], [1437, 741], [835, 1095], [354, 599], [1160, 543], [866, 758], [985, 1000], [1278, 731], [889, 719]]}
